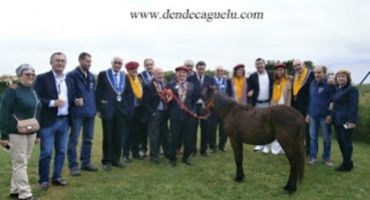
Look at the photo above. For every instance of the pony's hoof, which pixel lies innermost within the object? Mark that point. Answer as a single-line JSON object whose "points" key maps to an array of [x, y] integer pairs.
{"points": [[239, 178], [289, 190]]}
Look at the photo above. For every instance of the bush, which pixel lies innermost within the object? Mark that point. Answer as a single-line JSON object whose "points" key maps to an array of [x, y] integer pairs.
{"points": [[362, 132]]}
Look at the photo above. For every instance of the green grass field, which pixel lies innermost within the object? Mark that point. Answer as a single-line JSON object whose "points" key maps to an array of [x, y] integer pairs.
{"points": [[209, 178]]}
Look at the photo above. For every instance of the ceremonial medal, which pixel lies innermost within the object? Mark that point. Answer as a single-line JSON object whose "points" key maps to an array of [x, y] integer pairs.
{"points": [[119, 98]]}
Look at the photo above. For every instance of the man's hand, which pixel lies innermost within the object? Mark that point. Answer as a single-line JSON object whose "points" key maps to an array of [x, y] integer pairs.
{"points": [[59, 103], [307, 119], [250, 93], [328, 119], [351, 125], [79, 102]]}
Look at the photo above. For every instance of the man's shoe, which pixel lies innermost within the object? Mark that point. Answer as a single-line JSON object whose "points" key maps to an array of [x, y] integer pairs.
{"points": [[342, 168], [312, 161], [328, 163], [107, 168], [44, 186], [75, 172], [126, 159], [59, 182], [119, 165], [89, 168], [138, 157], [187, 162], [222, 149], [173, 163], [155, 160], [203, 154], [29, 198], [13, 195]]}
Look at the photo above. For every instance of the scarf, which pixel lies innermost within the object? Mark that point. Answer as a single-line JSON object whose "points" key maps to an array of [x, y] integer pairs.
{"points": [[278, 89], [136, 87], [239, 85], [299, 81]]}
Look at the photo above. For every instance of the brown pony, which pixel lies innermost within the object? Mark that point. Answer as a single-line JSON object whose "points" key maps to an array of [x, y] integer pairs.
{"points": [[258, 126]]}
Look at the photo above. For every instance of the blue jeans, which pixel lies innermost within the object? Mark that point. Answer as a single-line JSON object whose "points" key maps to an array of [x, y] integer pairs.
{"points": [[54, 136], [87, 125], [315, 124]]}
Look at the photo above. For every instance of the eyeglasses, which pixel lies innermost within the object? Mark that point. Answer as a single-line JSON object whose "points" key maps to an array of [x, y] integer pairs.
{"points": [[149, 64], [119, 63], [30, 75]]}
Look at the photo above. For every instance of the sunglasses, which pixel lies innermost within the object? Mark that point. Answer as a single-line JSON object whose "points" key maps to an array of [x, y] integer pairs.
{"points": [[30, 74]]}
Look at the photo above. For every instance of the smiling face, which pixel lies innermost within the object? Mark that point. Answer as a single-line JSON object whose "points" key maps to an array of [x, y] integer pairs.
{"points": [[27, 77], [58, 63], [149, 65], [117, 64], [341, 79], [298, 66], [132, 72], [181, 75], [158, 74], [260, 66], [320, 73], [201, 70], [280, 72]]}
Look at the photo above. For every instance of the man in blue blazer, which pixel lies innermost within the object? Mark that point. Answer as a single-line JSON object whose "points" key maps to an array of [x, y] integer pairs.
{"points": [[83, 110], [113, 107], [54, 91], [200, 80]]}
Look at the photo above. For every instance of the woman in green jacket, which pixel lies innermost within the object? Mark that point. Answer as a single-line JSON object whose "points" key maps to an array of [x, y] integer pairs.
{"points": [[22, 103]]}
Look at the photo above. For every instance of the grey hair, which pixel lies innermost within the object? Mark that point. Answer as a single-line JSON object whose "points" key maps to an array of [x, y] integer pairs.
{"points": [[56, 54], [22, 68]]}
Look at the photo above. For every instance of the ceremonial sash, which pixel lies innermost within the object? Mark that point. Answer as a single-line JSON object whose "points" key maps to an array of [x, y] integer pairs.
{"points": [[299, 81]]}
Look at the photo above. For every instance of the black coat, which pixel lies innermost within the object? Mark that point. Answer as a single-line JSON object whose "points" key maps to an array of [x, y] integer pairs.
{"points": [[46, 90], [175, 112], [151, 99], [253, 84], [106, 98], [300, 102]]}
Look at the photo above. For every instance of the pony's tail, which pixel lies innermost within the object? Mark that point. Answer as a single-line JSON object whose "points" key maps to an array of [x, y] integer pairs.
{"points": [[300, 154]]}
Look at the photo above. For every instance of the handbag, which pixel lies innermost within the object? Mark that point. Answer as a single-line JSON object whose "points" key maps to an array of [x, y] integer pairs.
{"points": [[28, 126]]}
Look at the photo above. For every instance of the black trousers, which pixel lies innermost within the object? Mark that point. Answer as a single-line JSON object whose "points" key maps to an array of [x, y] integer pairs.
{"points": [[114, 134], [180, 132], [344, 138], [215, 121], [158, 133], [204, 136], [137, 131]]}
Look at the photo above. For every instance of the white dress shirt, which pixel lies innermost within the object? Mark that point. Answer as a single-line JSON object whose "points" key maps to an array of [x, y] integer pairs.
{"points": [[62, 90]]}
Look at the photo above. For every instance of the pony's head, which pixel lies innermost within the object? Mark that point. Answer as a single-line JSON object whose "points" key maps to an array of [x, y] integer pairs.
{"points": [[208, 94]]}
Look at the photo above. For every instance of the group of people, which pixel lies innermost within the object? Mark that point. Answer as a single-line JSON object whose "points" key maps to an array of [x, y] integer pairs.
{"points": [[142, 113]]}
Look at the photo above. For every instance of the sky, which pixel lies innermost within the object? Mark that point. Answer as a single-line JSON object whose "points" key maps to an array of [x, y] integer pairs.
{"points": [[333, 33]]}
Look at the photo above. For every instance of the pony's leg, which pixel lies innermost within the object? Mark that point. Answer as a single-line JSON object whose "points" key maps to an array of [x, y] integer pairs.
{"points": [[289, 150], [237, 146]]}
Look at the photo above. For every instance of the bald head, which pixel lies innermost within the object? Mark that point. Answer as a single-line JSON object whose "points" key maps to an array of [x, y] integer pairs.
{"points": [[189, 64], [220, 71], [298, 66], [117, 63], [158, 74]]}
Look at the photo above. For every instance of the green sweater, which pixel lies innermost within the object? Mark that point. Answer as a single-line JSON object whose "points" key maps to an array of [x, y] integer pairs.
{"points": [[20, 102]]}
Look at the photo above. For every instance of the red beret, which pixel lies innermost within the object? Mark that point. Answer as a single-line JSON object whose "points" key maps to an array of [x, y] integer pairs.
{"points": [[280, 65], [132, 65], [239, 66], [181, 68]]}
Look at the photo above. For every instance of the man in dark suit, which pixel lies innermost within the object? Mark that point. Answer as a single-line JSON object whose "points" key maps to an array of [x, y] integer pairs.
{"points": [[54, 91], [146, 78], [214, 120], [180, 120], [200, 80], [301, 94], [260, 91], [113, 106], [156, 108]]}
